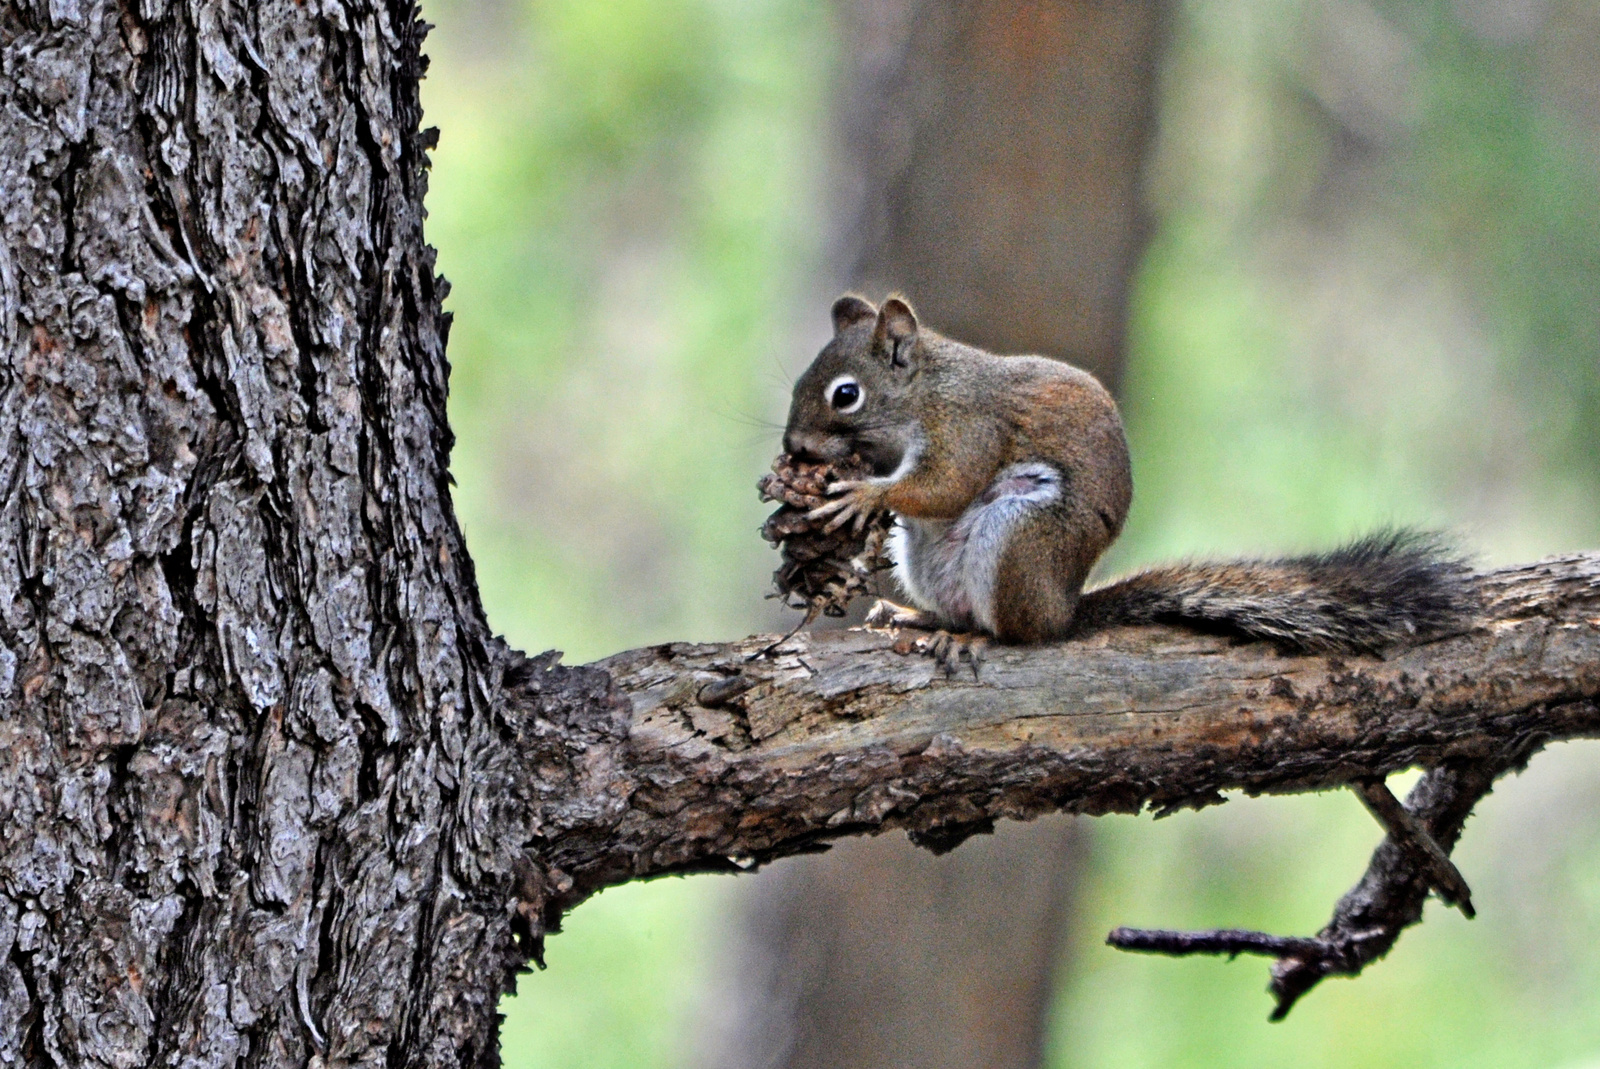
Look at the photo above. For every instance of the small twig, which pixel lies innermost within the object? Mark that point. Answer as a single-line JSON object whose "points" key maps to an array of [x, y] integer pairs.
{"points": [[1229, 941], [812, 612], [1408, 832], [1388, 899]]}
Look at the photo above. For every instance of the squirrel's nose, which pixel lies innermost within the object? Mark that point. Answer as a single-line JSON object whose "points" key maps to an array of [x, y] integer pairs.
{"points": [[804, 446]]}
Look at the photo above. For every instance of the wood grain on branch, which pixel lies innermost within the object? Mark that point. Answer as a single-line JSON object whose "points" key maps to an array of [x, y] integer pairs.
{"points": [[733, 758], [721, 759]]}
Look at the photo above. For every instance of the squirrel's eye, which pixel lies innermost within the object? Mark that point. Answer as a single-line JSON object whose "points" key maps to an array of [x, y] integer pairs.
{"points": [[844, 394]]}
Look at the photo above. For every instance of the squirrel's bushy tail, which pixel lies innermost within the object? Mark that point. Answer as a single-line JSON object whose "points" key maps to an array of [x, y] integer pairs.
{"points": [[1389, 588]]}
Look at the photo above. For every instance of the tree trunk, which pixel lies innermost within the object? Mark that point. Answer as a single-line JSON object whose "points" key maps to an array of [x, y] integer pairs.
{"points": [[997, 153], [273, 795], [244, 661], [993, 163], [880, 954]]}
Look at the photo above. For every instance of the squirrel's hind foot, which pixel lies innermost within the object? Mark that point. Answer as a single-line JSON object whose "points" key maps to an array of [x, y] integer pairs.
{"points": [[946, 647], [949, 648]]}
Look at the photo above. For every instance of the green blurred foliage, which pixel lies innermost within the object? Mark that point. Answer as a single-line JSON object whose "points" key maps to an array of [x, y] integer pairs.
{"points": [[624, 984], [1372, 297], [623, 199], [1372, 294]]}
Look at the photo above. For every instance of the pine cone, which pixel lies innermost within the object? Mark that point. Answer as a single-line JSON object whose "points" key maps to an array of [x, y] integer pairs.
{"points": [[822, 570]]}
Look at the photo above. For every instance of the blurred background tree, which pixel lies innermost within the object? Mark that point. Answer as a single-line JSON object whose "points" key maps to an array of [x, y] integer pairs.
{"points": [[988, 162], [1372, 294]]}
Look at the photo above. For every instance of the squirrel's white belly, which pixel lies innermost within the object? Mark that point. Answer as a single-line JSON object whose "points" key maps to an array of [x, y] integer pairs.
{"points": [[949, 566]]}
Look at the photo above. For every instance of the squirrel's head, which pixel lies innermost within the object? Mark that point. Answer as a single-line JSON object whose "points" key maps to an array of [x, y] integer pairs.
{"points": [[854, 396]]}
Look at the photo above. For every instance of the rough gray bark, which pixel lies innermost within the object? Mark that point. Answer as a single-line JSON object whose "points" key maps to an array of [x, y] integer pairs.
{"points": [[271, 793], [244, 663]]}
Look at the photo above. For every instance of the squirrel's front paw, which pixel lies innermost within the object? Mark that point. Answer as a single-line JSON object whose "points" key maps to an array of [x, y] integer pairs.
{"points": [[852, 499]]}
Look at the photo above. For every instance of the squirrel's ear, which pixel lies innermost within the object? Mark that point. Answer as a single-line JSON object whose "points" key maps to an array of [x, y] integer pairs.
{"points": [[850, 310], [896, 331]]}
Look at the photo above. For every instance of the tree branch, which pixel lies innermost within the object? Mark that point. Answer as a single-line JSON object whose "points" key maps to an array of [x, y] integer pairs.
{"points": [[715, 757], [1389, 898]]}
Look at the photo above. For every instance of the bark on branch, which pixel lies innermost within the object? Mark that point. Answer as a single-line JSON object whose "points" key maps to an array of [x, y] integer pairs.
{"points": [[717, 758]]}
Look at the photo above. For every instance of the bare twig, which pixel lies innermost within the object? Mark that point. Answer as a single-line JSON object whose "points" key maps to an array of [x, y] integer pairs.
{"points": [[1389, 898], [1407, 831], [1369, 919], [1229, 941]]}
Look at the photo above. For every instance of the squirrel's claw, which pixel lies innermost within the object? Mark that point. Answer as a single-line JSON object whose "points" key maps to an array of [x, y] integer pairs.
{"points": [[857, 500], [842, 509], [948, 648], [828, 508]]}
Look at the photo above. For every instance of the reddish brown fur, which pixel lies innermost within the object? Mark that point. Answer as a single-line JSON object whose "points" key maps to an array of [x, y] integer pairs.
{"points": [[971, 414], [941, 420]]}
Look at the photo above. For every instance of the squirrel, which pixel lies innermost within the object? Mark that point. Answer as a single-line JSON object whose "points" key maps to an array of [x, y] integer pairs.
{"points": [[1009, 477]]}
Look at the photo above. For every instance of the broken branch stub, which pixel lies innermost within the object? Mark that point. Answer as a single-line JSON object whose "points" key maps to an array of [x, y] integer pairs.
{"points": [[1412, 862]]}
